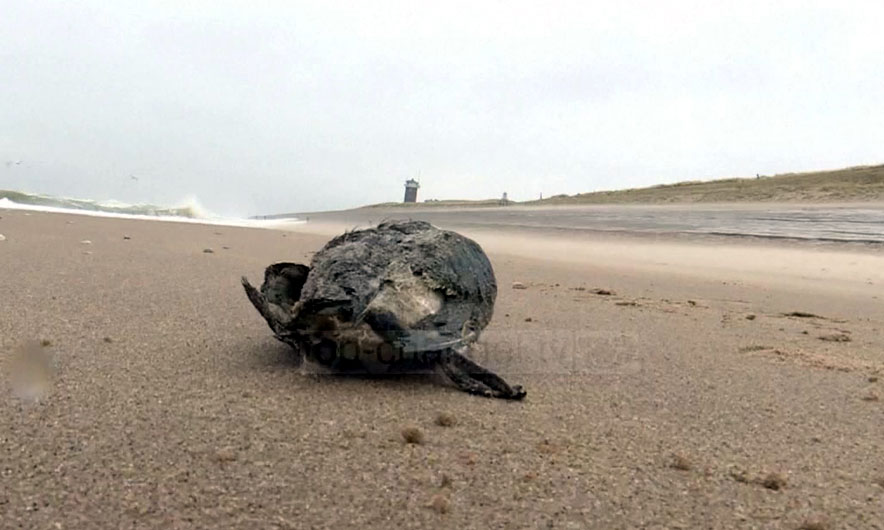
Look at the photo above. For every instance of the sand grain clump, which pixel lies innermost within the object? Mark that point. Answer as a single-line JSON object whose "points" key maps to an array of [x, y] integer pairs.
{"points": [[440, 503], [816, 523], [413, 435], [801, 314], [680, 462], [446, 419], [835, 337], [225, 454], [773, 481]]}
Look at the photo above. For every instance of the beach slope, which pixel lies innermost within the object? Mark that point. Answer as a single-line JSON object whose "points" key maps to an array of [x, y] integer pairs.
{"points": [[671, 384]]}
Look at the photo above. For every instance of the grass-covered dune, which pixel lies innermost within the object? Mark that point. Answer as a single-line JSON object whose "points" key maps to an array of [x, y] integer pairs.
{"points": [[854, 184]]}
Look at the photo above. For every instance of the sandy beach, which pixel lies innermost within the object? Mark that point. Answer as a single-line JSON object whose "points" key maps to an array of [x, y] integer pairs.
{"points": [[672, 383]]}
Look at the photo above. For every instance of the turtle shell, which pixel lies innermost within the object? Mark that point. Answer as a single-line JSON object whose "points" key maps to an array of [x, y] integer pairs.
{"points": [[387, 293]]}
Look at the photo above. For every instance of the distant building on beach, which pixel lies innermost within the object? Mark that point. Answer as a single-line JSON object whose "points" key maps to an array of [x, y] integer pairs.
{"points": [[411, 187]]}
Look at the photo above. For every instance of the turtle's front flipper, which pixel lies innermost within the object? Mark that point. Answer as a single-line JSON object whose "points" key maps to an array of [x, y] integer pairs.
{"points": [[472, 378]]}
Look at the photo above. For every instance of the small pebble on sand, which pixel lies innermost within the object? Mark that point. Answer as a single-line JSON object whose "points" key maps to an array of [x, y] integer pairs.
{"points": [[2, 237], [519, 285], [208, 251], [86, 242]]}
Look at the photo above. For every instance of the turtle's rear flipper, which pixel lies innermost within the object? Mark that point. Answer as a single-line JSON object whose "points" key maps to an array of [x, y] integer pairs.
{"points": [[472, 378]]}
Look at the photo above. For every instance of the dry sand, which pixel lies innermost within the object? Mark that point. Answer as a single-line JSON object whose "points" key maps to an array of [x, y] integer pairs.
{"points": [[686, 398]]}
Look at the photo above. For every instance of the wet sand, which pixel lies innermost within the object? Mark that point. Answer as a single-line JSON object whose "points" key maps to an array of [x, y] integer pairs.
{"points": [[713, 373], [861, 224]]}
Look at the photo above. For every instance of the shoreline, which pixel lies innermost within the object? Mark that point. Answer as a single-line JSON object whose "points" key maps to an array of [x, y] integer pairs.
{"points": [[423, 207], [347, 219], [846, 224]]}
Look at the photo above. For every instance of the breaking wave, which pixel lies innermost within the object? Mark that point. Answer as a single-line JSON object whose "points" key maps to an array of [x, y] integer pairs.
{"points": [[188, 211], [192, 210]]}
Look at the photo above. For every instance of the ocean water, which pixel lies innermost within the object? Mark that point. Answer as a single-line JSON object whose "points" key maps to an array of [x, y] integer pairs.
{"points": [[189, 211]]}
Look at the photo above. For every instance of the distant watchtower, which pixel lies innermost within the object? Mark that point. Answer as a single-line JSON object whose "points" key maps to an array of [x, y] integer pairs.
{"points": [[411, 187]]}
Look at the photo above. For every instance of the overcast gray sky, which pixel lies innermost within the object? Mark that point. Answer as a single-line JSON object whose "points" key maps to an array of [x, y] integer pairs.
{"points": [[262, 107]]}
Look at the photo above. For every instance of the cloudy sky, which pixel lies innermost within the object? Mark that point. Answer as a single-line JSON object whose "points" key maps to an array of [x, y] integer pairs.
{"points": [[261, 107]]}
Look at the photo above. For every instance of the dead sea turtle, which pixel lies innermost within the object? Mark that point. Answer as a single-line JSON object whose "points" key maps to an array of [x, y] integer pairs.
{"points": [[401, 296]]}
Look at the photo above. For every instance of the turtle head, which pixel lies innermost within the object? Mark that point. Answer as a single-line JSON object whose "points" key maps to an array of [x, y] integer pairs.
{"points": [[283, 283], [279, 294]]}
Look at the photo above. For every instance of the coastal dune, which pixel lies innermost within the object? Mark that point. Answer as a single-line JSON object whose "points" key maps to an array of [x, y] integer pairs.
{"points": [[672, 382]]}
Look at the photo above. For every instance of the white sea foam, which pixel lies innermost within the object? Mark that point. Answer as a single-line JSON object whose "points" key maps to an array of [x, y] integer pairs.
{"points": [[190, 212]]}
